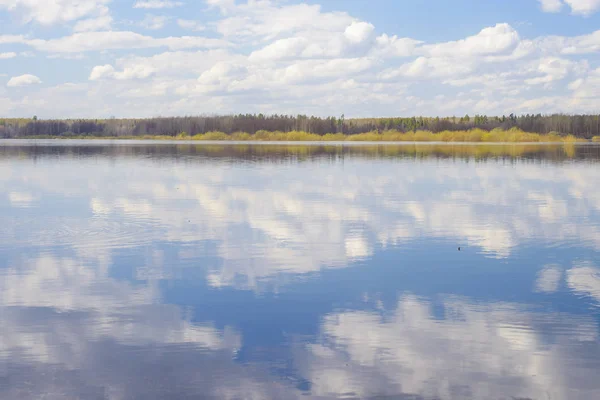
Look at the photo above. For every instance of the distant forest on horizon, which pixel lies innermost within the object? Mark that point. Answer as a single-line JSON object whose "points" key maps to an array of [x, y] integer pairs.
{"points": [[583, 126]]}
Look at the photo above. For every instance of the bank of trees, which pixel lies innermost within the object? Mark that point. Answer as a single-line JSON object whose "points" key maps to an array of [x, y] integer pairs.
{"points": [[583, 126]]}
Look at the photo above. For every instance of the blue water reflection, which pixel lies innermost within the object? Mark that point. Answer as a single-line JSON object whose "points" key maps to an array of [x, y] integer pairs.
{"points": [[167, 270]]}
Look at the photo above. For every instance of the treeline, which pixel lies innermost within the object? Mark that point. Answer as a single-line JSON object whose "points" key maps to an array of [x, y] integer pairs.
{"points": [[582, 126]]}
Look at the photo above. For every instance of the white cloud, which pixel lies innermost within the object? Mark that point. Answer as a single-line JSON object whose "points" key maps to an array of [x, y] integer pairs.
{"points": [[354, 39], [588, 88], [191, 25], [102, 23], [578, 7], [553, 69], [7, 39], [102, 71], [56, 11], [5, 56], [499, 39], [263, 19], [169, 64], [394, 46], [359, 32], [108, 71], [23, 80], [224, 5], [574, 45], [434, 67], [279, 49], [156, 4], [583, 7], [551, 5], [113, 40], [154, 22]]}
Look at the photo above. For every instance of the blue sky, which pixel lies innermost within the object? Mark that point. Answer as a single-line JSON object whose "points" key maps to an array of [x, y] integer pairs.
{"points": [[140, 58]]}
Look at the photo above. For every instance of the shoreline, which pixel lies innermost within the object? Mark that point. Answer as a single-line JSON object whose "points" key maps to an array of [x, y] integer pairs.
{"points": [[291, 142], [552, 150], [349, 143], [473, 136]]}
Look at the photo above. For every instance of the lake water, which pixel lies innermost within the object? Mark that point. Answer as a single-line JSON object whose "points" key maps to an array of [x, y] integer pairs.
{"points": [[134, 270]]}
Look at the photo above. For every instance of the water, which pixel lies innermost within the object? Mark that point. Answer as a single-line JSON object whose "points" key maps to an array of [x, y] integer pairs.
{"points": [[180, 271]]}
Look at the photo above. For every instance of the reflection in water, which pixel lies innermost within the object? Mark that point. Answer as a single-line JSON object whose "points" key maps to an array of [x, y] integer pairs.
{"points": [[478, 351], [124, 270]]}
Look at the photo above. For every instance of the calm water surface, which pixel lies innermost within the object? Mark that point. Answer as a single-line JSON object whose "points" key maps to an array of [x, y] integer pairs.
{"points": [[186, 271]]}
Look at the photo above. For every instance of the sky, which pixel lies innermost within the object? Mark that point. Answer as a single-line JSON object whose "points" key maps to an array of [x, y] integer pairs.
{"points": [[377, 58]]}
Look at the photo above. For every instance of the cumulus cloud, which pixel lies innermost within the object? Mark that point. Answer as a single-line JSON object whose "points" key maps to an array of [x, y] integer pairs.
{"points": [[108, 71], [154, 22], [434, 67], [578, 7], [280, 48], [102, 71], [56, 11], [23, 80], [552, 69], [94, 24], [359, 32], [584, 7], [113, 40], [8, 39], [269, 21], [394, 46], [191, 25], [7, 55], [551, 5], [493, 40], [157, 4]]}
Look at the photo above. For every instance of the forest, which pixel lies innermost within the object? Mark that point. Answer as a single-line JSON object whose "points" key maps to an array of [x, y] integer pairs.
{"points": [[579, 126]]}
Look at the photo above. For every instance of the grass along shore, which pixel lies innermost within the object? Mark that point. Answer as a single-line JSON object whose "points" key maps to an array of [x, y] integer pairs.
{"points": [[467, 136]]}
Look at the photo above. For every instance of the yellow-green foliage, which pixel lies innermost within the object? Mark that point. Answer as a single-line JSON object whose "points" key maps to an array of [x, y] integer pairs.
{"points": [[474, 135], [213, 136], [335, 137], [573, 139], [366, 137], [497, 135], [240, 136], [301, 136]]}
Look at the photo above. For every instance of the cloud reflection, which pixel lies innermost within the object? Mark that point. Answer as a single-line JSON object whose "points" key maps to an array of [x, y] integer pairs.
{"points": [[267, 218], [473, 351], [549, 279], [71, 331], [75, 330]]}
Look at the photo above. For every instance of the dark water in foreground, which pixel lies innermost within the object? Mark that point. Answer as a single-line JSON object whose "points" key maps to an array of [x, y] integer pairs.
{"points": [[185, 271]]}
